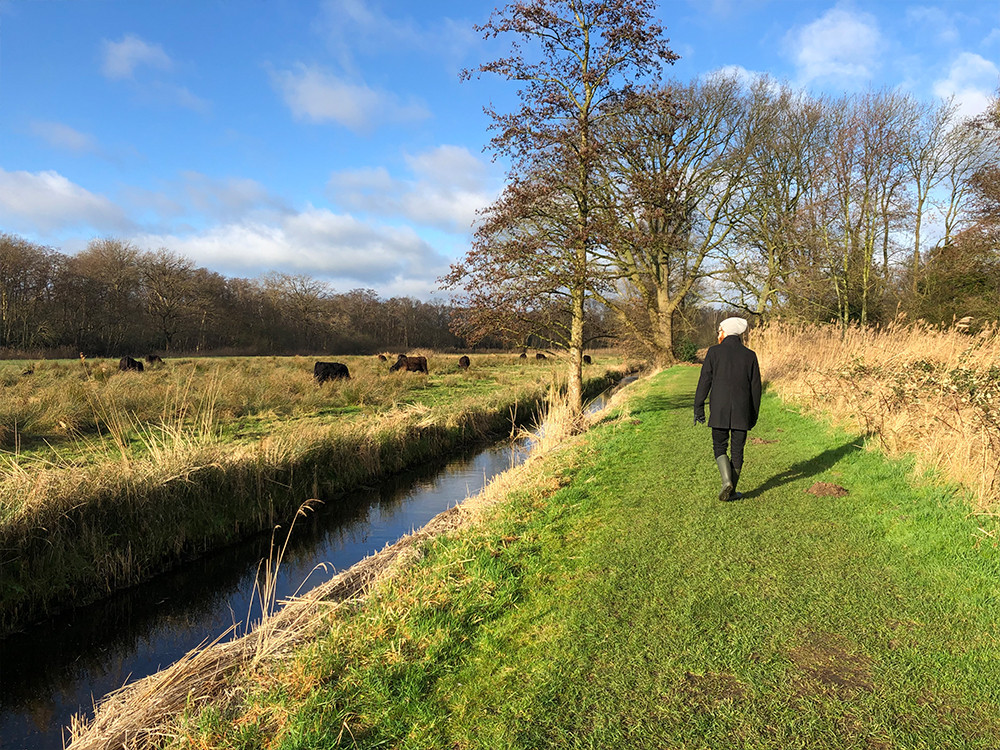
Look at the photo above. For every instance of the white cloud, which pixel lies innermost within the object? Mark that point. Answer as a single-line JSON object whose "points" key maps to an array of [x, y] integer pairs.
{"points": [[316, 95], [46, 202], [841, 44], [122, 58], [64, 137], [318, 242], [747, 78], [228, 198], [971, 80], [940, 24], [447, 188], [351, 26]]}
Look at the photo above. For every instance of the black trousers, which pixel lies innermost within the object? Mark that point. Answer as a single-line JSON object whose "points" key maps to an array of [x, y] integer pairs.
{"points": [[720, 441]]}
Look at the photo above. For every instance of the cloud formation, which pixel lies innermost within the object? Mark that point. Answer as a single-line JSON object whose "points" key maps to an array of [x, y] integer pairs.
{"points": [[122, 58], [972, 80], [841, 45], [63, 137], [939, 24], [316, 95], [448, 185], [357, 26], [335, 247], [49, 202]]}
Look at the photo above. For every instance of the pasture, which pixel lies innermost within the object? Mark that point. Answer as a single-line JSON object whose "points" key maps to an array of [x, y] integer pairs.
{"points": [[110, 477]]}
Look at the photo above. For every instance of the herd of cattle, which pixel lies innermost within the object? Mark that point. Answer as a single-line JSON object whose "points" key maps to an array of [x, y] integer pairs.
{"points": [[324, 371]]}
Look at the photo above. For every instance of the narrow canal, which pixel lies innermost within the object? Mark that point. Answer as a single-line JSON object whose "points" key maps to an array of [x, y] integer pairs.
{"points": [[60, 667]]}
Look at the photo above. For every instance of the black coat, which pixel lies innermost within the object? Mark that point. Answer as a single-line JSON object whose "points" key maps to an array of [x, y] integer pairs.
{"points": [[732, 375]]}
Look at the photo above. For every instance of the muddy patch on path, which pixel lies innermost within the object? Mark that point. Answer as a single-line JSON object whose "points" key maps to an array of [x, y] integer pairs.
{"points": [[827, 663], [827, 489]]}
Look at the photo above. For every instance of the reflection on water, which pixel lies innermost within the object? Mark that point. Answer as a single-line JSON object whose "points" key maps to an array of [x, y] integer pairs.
{"points": [[61, 666]]}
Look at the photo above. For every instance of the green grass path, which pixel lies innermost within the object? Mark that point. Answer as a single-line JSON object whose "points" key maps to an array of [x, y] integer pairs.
{"points": [[629, 608]]}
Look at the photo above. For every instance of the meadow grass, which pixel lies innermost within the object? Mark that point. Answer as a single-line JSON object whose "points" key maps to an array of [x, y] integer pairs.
{"points": [[925, 391], [611, 601], [171, 463]]}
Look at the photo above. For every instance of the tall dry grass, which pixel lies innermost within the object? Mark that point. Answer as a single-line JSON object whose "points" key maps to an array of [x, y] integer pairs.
{"points": [[930, 392], [204, 453]]}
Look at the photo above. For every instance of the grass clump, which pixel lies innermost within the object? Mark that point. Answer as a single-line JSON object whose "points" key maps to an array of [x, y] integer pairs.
{"points": [[611, 601]]}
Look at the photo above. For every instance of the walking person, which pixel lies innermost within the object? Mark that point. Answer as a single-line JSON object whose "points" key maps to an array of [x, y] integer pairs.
{"points": [[732, 376]]}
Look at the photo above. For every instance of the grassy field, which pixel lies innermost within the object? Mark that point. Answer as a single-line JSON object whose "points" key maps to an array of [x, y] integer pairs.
{"points": [[110, 478], [612, 601]]}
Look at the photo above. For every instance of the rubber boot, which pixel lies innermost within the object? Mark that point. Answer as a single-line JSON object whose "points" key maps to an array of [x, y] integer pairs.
{"points": [[736, 480], [726, 472]]}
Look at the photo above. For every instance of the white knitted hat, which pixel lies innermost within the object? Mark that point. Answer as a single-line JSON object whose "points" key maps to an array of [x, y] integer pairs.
{"points": [[733, 326]]}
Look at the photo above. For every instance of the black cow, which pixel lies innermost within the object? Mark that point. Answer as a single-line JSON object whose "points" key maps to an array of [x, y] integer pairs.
{"points": [[539, 355], [324, 371], [410, 364], [586, 359], [524, 355], [154, 359], [463, 362], [126, 364], [381, 358]]}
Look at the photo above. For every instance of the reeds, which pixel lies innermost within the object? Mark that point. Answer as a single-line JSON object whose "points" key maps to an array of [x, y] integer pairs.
{"points": [[931, 392]]}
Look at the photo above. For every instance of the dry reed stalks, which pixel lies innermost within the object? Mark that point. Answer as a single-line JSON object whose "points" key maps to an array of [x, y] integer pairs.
{"points": [[137, 716], [930, 392]]}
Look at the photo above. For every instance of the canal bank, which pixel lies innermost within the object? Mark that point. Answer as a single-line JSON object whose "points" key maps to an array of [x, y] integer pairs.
{"points": [[62, 665], [121, 528]]}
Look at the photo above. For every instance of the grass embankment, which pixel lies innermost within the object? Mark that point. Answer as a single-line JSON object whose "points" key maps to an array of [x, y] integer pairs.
{"points": [[917, 389], [612, 601], [198, 454]]}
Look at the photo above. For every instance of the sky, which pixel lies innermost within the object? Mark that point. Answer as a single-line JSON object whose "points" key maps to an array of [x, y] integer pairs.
{"points": [[334, 138]]}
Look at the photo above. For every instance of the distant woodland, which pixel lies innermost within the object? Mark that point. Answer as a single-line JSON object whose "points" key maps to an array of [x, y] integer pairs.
{"points": [[114, 299]]}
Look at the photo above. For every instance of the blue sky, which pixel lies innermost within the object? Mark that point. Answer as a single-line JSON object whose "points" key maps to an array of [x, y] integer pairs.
{"points": [[334, 138]]}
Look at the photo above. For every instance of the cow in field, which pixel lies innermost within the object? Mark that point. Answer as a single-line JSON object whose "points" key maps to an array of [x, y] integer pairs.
{"points": [[524, 355], [586, 359], [539, 355], [410, 364], [154, 359], [463, 362], [381, 358], [324, 371], [127, 364]]}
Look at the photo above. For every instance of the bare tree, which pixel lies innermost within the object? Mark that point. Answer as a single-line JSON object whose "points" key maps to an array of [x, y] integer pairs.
{"points": [[678, 165], [585, 56]]}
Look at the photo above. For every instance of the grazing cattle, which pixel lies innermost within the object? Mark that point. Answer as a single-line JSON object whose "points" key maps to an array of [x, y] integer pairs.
{"points": [[524, 355], [381, 358], [586, 359], [29, 371], [410, 364], [539, 355], [126, 364], [463, 362], [324, 371], [154, 359]]}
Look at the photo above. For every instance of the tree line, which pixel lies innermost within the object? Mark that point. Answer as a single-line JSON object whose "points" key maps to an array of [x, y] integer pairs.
{"points": [[655, 198], [113, 299]]}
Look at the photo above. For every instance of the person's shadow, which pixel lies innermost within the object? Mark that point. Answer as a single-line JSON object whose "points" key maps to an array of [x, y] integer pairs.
{"points": [[810, 467]]}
